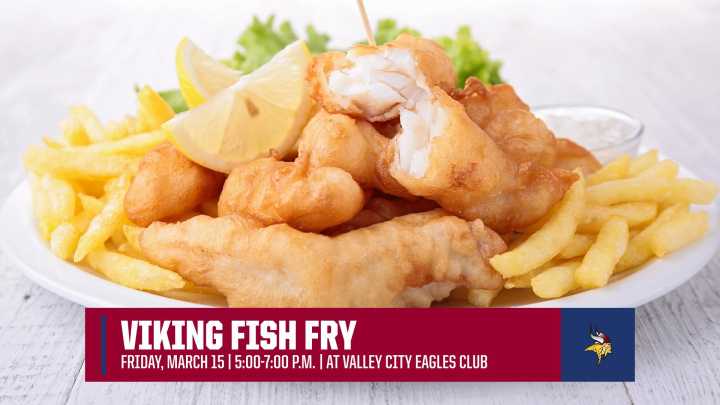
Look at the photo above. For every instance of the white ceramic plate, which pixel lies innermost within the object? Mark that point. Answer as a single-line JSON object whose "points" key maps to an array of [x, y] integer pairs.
{"points": [[23, 245]]}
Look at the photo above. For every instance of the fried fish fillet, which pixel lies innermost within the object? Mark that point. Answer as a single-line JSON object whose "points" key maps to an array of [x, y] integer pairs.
{"points": [[482, 102], [168, 184], [442, 155], [375, 82], [571, 155], [381, 209], [499, 112], [274, 192], [351, 144], [523, 138], [409, 261]]}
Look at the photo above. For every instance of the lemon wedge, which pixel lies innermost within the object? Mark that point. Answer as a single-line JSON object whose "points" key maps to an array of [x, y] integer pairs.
{"points": [[264, 110], [201, 76]]}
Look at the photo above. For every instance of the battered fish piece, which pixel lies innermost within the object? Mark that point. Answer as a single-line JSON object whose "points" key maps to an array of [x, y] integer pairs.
{"points": [[353, 145], [523, 138], [571, 155], [373, 83], [499, 112], [442, 155], [409, 261], [277, 192], [381, 209], [482, 103], [168, 184]]}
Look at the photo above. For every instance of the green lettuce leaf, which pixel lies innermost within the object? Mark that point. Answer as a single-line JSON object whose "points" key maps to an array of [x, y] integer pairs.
{"points": [[175, 99], [261, 41], [470, 59]]}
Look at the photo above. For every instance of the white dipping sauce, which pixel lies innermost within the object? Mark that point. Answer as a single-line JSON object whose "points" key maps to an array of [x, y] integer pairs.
{"points": [[606, 133]]}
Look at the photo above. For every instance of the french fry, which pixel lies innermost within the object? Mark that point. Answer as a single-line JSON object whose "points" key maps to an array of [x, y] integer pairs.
{"points": [[53, 202], [133, 273], [652, 188], [679, 232], [664, 204], [132, 233], [105, 223], [643, 162], [637, 213], [130, 124], [118, 238], [92, 188], [115, 131], [74, 165], [51, 143], [667, 169], [138, 144], [615, 170], [523, 280], [598, 264], [64, 238], [639, 250], [90, 203], [482, 298], [124, 220], [141, 122], [128, 250], [578, 246], [89, 122], [157, 111], [556, 281], [552, 238], [74, 132]]}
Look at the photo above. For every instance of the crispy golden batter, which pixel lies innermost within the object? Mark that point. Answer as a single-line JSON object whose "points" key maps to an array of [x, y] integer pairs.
{"points": [[499, 112], [442, 155], [375, 82], [167, 184], [523, 138], [571, 155], [381, 209], [409, 261], [351, 144], [482, 102], [277, 192]]}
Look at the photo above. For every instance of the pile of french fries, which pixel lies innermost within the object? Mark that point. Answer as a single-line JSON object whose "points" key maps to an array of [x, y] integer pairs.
{"points": [[628, 212], [78, 183], [620, 217]]}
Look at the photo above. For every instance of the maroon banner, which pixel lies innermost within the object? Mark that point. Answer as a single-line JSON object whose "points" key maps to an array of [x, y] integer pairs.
{"points": [[436, 344]]}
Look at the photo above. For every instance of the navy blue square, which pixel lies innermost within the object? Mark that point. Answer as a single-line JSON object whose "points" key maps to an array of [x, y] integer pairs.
{"points": [[612, 344]]}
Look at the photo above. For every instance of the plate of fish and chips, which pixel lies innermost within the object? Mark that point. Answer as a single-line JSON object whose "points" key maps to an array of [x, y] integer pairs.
{"points": [[366, 178]]}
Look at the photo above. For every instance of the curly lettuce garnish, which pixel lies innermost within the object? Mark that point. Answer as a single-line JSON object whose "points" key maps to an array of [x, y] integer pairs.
{"points": [[261, 41], [470, 59]]}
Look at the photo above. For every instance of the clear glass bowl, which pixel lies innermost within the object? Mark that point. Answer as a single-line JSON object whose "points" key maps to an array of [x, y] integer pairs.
{"points": [[605, 132]]}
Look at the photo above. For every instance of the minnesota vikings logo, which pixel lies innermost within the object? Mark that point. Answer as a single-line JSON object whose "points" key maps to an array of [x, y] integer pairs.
{"points": [[602, 346]]}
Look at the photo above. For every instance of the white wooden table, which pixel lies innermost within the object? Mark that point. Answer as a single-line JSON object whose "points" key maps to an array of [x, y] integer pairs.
{"points": [[657, 59]]}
